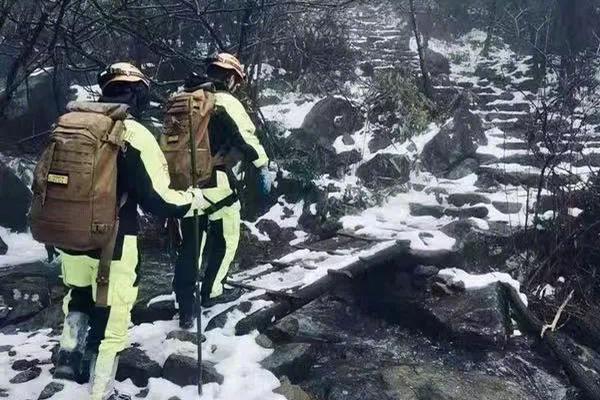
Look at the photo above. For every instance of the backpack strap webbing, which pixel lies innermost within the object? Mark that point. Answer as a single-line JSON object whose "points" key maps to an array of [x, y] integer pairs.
{"points": [[106, 255], [226, 202]]}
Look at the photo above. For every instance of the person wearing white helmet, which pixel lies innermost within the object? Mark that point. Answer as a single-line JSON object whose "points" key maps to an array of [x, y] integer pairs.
{"points": [[230, 129], [93, 335]]}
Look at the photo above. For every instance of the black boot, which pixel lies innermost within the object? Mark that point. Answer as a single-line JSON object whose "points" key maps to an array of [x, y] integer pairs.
{"points": [[227, 296], [186, 319], [67, 365], [88, 362]]}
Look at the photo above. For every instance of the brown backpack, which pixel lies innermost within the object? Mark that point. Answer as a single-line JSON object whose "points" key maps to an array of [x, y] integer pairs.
{"points": [[188, 112], [75, 204], [75, 181]]}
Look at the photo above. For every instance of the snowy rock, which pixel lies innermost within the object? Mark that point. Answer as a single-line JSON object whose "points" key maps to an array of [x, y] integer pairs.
{"points": [[274, 231], [456, 142], [437, 63], [462, 199], [420, 210], [50, 390], [3, 247], [182, 371], [24, 365], [330, 118], [507, 207], [474, 318], [381, 139], [263, 341], [220, 320], [26, 376], [134, 364], [293, 360], [464, 168], [185, 336], [384, 170], [467, 212], [15, 199], [290, 391]]}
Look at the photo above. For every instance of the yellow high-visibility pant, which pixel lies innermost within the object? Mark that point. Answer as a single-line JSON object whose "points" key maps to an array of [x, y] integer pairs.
{"points": [[108, 326]]}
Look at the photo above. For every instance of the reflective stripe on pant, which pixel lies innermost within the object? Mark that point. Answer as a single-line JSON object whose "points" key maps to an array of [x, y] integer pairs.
{"points": [[108, 326]]}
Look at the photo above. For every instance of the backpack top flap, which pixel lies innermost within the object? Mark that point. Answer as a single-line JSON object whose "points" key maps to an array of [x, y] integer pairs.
{"points": [[115, 111]]}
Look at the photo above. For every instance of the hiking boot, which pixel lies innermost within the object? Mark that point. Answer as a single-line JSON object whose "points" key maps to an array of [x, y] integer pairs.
{"points": [[186, 320], [67, 365], [228, 296]]}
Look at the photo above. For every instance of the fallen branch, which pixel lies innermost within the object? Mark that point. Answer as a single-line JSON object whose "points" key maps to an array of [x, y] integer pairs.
{"points": [[532, 325], [554, 323]]}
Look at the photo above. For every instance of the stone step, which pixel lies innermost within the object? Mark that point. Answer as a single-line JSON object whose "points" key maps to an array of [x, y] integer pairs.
{"points": [[491, 106], [490, 176], [501, 116], [422, 210], [514, 146], [463, 199]]}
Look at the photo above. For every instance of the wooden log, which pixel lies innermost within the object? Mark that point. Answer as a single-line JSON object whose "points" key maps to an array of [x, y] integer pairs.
{"points": [[261, 319], [272, 293], [533, 326]]}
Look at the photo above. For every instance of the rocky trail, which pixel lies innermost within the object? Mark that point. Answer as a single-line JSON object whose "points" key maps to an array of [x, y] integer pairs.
{"points": [[403, 302]]}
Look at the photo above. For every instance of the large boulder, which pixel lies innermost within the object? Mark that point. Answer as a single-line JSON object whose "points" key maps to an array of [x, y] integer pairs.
{"points": [[330, 118], [456, 142], [27, 291], [384, 170], [15, 199], [474, 318]]}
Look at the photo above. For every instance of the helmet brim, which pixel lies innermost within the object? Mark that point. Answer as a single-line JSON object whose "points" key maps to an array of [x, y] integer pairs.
{"points": [[125, 78], [229, 67]]}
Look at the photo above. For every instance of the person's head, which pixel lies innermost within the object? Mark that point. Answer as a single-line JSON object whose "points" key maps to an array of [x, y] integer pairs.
{"points": [[124, 83], [227, 69]]}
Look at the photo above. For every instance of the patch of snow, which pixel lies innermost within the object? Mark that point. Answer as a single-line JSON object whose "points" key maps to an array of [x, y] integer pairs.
{"points": [[472, 281], [86, 93], [575, 212], [291, 110], [22, 249]]}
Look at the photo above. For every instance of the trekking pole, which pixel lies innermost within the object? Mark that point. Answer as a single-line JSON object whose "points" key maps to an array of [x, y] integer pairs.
{"points": [[196, 250]]}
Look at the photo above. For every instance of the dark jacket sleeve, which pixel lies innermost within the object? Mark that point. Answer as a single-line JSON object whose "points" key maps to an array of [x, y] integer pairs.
{"points": [[149, 175]]}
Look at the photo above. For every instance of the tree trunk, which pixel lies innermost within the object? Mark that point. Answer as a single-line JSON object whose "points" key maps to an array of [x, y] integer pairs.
{"points": [[427, 88], [492, 12]]}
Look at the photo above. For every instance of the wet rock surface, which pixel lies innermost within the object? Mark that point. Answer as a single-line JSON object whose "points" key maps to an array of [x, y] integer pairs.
{"points": [[361, 356]]}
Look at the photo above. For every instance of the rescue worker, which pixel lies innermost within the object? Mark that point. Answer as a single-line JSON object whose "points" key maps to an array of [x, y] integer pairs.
{"points": [[143, 180], [230, 129]]}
